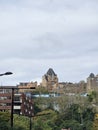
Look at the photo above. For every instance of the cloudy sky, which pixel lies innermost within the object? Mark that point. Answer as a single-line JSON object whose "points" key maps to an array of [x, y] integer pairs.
{"points": [[36, 35]]}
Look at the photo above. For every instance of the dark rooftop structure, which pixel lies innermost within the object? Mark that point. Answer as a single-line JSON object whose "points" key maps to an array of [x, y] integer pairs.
{"points": [[91, 75], [51, 72]]}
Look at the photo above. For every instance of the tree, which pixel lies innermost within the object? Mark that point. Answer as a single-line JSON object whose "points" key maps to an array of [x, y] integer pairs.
{"points": [[44, 120], [92, 96], [95, 123], [4, 120]]}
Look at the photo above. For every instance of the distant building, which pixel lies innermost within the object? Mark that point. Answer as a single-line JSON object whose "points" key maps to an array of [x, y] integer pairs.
{"points": [[29, 85], [51, 83], [72, 88], [50, 80], [92, 83]]}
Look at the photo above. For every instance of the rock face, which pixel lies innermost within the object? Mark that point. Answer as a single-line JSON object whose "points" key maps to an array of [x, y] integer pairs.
{"points": [[50, 80]]}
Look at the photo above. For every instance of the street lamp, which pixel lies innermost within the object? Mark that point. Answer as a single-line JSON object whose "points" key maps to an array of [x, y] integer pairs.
{"points": [[6, 73]]}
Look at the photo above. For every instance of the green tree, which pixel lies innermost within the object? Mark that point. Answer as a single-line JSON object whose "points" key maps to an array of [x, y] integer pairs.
{"points": [[4, 120], [92, 96]]}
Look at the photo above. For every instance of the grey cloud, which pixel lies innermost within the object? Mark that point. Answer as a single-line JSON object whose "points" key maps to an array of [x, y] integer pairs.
{"points": [[36, 35]]}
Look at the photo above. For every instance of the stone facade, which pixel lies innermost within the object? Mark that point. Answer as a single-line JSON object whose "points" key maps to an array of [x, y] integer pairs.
{"points": [[50, 80], [92, 83], [74, 88], [29, 85]]}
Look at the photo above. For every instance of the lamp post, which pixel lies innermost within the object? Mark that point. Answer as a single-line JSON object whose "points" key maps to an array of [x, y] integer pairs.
{"points": [[12, 106], [30, 123], [30, 113]]}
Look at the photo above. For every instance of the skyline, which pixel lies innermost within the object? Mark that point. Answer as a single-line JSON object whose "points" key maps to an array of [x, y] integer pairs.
{"points": [[42, 34]]}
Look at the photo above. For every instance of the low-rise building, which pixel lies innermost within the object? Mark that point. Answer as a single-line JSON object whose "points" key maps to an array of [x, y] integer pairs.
{"points": [[26, 86]]}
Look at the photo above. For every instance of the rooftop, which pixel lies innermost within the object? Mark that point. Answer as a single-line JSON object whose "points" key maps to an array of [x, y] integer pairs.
{"points": [[50, 72]]}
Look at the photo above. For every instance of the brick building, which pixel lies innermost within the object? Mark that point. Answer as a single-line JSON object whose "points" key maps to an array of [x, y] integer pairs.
{"points": [[21, 105]]}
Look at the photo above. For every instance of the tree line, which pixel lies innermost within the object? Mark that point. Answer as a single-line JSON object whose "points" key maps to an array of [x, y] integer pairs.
{"points": [[73, 112]]}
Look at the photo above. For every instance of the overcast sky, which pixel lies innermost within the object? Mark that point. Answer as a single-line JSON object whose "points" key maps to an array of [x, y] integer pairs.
{"points": [[36, 35]]}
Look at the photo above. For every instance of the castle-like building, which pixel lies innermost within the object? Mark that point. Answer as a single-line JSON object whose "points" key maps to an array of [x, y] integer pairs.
{"points": [[50, 80], [51, 83], [92, 83]]}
